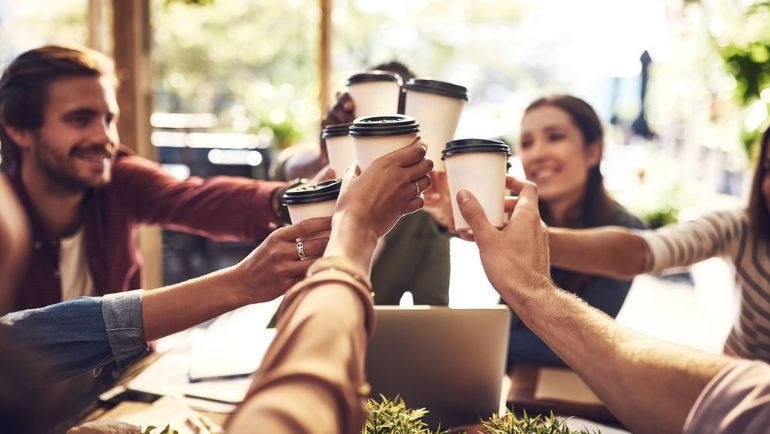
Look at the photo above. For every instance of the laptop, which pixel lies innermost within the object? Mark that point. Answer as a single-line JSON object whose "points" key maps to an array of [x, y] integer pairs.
{"points": [[449, 361]]}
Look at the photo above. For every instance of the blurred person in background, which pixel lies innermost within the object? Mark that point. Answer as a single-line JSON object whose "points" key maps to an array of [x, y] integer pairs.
{"points": [[561, 147]]}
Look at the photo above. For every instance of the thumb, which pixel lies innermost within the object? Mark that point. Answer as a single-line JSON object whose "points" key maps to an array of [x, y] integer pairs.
{"points": [[472, 212]]}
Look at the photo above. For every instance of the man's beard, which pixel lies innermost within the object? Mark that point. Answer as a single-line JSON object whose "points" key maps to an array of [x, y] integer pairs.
{"points": [[61, 170]]}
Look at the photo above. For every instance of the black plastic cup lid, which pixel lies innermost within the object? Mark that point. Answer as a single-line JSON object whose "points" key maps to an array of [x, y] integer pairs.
{"points": [[307, 194], [391, 125], [335, 131], [462, 146], [438, 88], [376, 75]]}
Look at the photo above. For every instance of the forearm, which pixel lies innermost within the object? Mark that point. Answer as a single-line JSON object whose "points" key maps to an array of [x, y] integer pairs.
{"points": [[650, 385], [177, 307], [609, 251], [309, 380]]}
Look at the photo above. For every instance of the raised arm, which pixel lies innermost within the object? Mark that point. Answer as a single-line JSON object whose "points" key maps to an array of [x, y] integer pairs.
{"points": [[649, 385], [78, 335], [312, 378], [609, 251]]}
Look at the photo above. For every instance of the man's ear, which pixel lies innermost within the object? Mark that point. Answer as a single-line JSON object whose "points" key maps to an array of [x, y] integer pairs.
{"points": [[23, 138], [594, 153]]}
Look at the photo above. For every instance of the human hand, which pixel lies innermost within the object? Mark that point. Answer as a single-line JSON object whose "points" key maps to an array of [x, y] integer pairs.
{"points": [[390, 188], [516, 257], [371, 203], [341, 112], [275, 265]]}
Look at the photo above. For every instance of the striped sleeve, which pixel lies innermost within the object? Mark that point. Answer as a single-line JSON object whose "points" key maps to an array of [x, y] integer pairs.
{"points": [[713, 234]]}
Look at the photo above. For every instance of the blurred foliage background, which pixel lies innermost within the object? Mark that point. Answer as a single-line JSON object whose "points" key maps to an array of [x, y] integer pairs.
{"points": [[253, 64]]}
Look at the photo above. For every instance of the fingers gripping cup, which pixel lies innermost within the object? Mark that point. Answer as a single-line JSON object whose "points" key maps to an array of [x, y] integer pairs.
{"points": [[312, 201], [437, 106], [375, 93], [339, 148], [479, 166], [376, 136]]}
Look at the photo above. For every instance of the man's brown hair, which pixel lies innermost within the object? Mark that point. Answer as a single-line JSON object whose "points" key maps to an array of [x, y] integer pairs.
{"points": [[24, 89]]}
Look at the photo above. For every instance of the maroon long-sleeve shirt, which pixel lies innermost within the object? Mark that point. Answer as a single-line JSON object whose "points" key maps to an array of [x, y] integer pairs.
{"points": [[141, 192]]}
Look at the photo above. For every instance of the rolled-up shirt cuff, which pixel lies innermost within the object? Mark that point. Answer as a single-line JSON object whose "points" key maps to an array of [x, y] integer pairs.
{"points": [[123, 321]]}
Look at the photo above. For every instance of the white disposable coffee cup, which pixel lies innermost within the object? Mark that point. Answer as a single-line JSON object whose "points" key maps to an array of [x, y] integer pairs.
{"points": [[376, 136], [437, 106], [339, 148], [375, 93], [312, 201], [479, 166]]}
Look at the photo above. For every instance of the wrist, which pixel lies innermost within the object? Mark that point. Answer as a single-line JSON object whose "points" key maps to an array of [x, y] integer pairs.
{"points": [[353, 239], [236, 289], [526, 299]]}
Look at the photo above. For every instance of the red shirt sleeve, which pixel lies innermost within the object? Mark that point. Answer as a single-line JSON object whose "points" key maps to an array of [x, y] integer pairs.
{"points": [[221, 208]]}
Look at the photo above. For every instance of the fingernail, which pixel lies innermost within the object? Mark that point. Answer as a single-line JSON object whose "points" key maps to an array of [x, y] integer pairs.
{"points": [[463, 196]]}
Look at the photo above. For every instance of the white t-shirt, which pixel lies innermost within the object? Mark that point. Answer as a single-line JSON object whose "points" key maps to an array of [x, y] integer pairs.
{"points": [[73, 268]]}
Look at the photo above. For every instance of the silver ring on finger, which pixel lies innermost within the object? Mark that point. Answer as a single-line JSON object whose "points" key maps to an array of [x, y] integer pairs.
{"points": [[417, 186], [301, 250]]}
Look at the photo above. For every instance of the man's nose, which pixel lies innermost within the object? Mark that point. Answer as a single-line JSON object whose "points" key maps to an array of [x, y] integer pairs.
{"points": [[104, 132]]}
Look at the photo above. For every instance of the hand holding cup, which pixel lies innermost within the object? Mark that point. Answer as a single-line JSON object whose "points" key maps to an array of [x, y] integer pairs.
{"points": [[516, 256], [391, 187]]}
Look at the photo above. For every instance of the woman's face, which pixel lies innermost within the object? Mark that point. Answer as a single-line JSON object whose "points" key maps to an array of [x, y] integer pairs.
{"points": [[553, 154]]}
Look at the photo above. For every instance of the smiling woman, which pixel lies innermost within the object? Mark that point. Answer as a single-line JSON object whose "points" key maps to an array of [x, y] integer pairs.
{"points": [[561, 147]]}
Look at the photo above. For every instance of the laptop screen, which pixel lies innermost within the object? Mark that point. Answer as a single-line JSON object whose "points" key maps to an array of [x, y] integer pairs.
{"points": [[449, 361]]}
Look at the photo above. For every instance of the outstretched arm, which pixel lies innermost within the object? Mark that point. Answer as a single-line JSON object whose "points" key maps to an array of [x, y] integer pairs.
{"points": [[78, 335], [650, 385], [609, 251]]}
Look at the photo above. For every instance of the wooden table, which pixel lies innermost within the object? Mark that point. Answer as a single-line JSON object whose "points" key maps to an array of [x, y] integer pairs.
{"points": [[522, 398]]}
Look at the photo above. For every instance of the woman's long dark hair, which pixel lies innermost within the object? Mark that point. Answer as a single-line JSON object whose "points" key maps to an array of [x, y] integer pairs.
{"points": [[596, 208], [759, 217]]}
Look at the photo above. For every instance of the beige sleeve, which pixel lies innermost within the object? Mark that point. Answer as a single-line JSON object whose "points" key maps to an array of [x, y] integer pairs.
{"points": [[312, 379]]}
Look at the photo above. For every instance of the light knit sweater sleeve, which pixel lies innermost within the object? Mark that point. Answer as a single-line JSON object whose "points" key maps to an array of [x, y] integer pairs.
{"points": [[683, 244], [312, 378]]}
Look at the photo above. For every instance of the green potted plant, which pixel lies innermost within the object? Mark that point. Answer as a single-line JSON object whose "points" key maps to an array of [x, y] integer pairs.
{"points": [[392, 416]]}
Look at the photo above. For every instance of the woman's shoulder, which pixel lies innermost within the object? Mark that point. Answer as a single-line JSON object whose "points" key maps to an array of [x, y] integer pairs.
{"points": [[620, 216]]}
